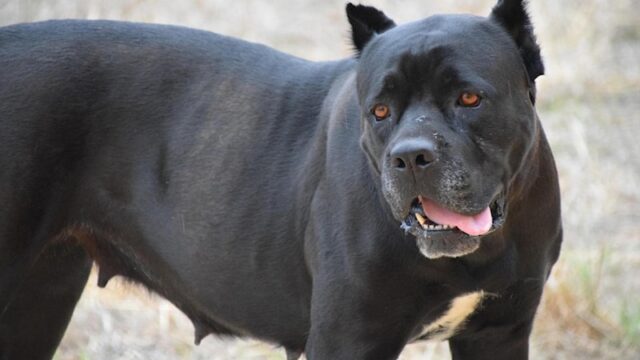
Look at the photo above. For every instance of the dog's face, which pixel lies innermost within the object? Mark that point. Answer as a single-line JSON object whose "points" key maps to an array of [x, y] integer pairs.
{"points": [[447, 118]]}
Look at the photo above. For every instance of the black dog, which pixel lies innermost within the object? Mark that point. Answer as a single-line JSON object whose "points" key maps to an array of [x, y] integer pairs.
{"points": [[341, 209]]}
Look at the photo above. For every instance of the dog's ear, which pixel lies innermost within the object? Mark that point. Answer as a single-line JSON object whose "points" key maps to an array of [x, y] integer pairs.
{"points": [[366, 21], [512, 15]]}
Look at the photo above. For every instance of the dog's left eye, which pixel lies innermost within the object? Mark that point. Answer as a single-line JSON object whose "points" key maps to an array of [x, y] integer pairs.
{"points": [[469, 99], [381, 112]]}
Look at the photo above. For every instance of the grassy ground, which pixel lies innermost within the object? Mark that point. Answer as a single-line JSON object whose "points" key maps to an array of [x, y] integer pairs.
{"points": [[589, 102]]}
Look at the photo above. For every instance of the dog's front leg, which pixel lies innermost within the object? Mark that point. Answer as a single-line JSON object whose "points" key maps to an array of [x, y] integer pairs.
{"points": [[346, 324], [503, 327], [509, 342]]}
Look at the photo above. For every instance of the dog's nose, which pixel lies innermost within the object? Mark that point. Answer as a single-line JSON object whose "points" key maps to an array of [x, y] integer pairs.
{"points": [[416, 154]]}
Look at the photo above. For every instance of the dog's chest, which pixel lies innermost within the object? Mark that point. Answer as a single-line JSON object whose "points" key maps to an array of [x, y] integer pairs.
{"points": [[453, 319]]}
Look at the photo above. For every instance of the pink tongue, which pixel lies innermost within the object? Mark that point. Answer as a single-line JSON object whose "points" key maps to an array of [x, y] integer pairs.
{"points": [[473, 225]]}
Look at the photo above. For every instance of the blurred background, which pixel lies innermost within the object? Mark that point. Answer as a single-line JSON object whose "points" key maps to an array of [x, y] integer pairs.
{"points": [[589, 102]]}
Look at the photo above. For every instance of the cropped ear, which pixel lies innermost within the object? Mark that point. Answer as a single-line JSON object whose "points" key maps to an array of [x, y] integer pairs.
{"points": [[512, 15], [366, 21]]}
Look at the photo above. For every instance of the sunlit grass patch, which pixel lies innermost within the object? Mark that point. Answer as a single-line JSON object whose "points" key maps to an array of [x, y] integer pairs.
{"points": [[630, 321], [577, 313]]}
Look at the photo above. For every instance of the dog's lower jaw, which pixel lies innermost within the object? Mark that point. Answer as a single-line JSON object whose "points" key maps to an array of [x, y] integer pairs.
{"points": [[437, 243], [434, 248]]}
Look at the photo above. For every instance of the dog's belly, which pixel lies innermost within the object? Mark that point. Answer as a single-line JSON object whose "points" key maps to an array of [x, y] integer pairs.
{"points": [[453, 319]]}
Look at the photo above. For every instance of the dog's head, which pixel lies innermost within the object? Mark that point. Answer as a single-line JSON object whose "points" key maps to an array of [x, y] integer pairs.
{"points": [[447, 117]]}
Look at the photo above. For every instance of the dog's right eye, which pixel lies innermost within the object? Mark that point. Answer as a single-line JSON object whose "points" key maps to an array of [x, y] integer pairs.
{"points": [[469, 99], [381, 112]]}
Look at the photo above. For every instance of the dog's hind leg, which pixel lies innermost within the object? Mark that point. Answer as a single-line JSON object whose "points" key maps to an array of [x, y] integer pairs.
{"points": [[293, 355], [34, 321], [14, 266]]}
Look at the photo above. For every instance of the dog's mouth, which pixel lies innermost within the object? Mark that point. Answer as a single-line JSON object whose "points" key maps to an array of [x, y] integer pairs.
{"points": [[441, 232]]}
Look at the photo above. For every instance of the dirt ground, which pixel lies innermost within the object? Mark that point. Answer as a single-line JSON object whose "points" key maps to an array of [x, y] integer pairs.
{"points": [[589, 102]]}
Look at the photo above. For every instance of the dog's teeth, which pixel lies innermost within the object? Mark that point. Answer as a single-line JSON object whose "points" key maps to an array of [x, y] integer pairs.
{"points": [[421, 219]]}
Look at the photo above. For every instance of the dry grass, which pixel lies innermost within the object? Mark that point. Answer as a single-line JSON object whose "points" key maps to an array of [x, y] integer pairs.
{"points": [[589, 106]]}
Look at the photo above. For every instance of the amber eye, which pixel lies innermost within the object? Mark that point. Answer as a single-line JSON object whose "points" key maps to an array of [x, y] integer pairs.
{"points": [[469, 99], [381, 111]]}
